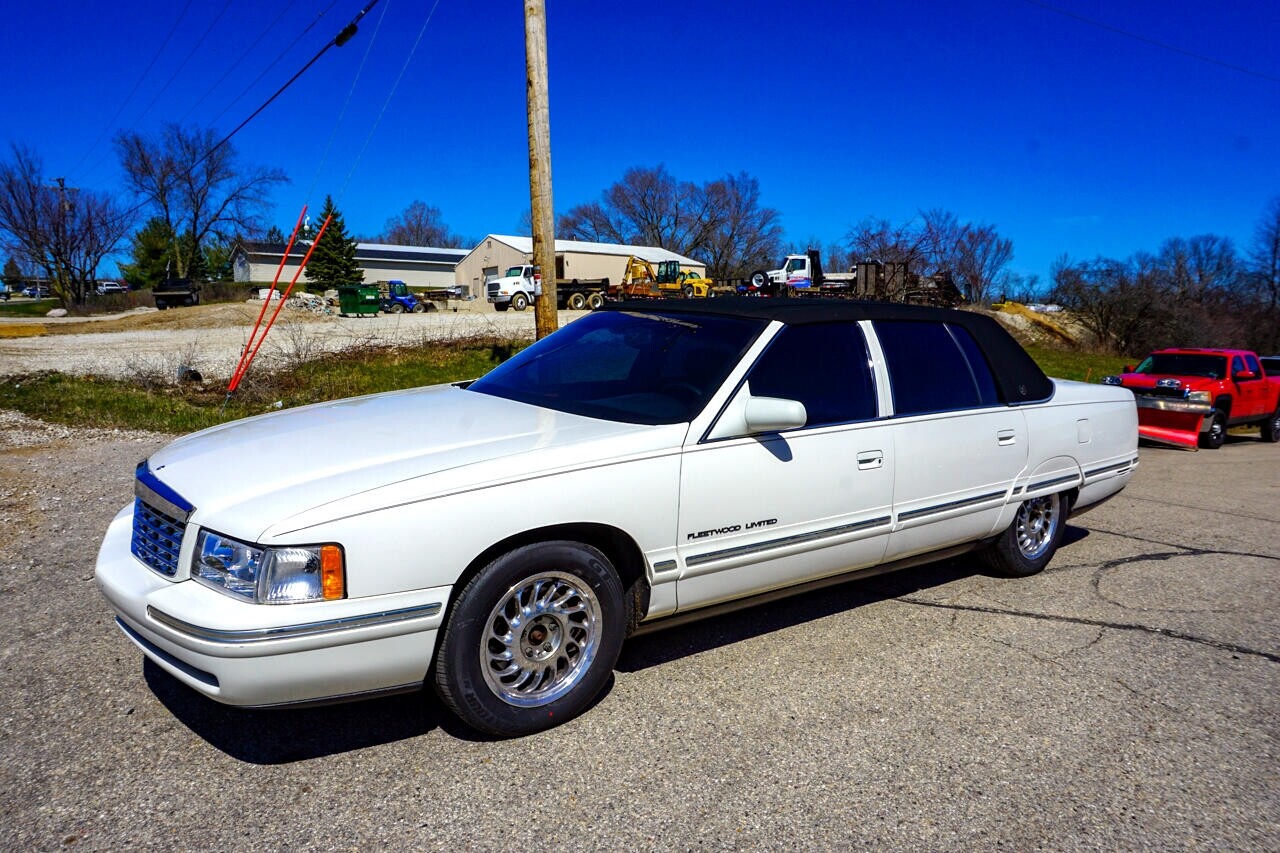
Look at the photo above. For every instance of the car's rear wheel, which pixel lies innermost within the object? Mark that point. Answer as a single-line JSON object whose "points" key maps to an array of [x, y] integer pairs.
{"points": [[1029, 543], [532, 639], [1213, 438]]}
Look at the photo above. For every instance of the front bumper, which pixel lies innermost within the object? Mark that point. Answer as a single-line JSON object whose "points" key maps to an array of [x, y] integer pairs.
{"points": [[246, 654], [1172, 421]]}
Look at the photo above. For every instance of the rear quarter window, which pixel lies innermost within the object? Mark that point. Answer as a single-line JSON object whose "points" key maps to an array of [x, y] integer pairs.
{"points": [[935, 367]]}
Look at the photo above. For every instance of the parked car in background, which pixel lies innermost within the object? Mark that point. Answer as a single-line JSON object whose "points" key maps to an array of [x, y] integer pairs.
{"points": [[106, 288], [37, 291], [1190, 396], [648, 462]]}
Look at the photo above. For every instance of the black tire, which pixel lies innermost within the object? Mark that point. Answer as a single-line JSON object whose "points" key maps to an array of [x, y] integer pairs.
{"points": [[1029, 543], [563, 595], [577, 301], [397, 308], [688, 291], [418, 308], [519, 302], [501, 306], [595, 300], [1213, 438], [759, 279], [1271, 427]]}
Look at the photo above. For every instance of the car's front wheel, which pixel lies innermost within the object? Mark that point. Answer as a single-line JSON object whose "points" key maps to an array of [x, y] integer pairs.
{"points": [[532, 639], [1028, 544], [1214, 437]]}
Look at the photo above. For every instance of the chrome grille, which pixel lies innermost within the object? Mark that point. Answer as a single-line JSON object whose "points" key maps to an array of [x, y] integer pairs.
{"points": [[493, 289], [156, 538]]}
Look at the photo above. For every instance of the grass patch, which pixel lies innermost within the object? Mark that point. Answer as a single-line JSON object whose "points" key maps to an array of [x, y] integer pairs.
{"points": [[93, 402], [28, 307], [1070, 364]]}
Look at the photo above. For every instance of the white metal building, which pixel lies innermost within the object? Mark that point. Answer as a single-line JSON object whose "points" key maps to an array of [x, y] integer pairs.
{"points": [[574, 259], [416, 266]]}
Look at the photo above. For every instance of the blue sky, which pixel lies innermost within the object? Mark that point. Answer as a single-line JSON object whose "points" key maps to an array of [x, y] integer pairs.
{"points": [[1068, 136]]}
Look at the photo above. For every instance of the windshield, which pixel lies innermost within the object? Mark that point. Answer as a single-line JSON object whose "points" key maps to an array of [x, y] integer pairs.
{"points": [[514, 272], [1184, 364], [635, 367]]}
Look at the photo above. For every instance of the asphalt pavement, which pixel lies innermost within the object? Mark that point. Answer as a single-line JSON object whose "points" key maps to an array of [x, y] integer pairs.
{"points": [[1127, 698]]}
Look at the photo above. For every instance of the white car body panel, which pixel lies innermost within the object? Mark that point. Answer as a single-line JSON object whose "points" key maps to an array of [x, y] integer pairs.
{"points": [[421, 486]]}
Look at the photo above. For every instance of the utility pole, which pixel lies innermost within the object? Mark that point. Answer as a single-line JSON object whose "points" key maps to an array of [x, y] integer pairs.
{"points": [[544, 235]]}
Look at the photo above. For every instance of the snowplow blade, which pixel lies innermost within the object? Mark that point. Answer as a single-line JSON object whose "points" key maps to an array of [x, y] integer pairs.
{"points": [[1178, 428]]}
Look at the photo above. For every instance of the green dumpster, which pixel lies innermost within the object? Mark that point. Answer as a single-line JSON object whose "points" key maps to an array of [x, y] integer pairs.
{"points": [[358, 299]]}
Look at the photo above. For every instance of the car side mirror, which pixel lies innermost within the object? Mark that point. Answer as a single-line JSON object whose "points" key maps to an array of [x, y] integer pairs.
{"points": [[1244, 375], [774, 414], [750, 415]]}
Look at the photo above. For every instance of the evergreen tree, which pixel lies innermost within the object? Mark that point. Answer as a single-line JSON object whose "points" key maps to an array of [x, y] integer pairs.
{"points": [[152, 253], [12, 274], [275, 235], [333, 262]]}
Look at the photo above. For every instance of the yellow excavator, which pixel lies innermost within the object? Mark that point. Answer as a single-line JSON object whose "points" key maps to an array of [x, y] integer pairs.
{"points": [[643, 279]]}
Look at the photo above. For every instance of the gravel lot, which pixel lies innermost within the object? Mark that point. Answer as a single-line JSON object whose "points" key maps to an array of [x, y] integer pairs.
{"points": [[1124, 699], [209, 338]]}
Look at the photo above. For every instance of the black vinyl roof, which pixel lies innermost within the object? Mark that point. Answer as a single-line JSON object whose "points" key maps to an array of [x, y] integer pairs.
{"points": [[1020, 379]]}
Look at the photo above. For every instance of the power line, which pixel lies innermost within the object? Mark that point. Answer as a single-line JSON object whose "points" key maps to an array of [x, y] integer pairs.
{"points": [[236, 64], [195, 47], [1146, 40], [120, 109], [275, 61], [385, 103], [350, 92]]}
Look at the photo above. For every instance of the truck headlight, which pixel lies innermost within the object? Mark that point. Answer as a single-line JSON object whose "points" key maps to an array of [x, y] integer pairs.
{"points": [[1199, 397], [287, 575]]}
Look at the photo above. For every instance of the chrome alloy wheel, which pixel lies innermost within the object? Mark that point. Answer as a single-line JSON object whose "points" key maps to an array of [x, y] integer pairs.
{"points": [[1036, 525], [540, 639]]}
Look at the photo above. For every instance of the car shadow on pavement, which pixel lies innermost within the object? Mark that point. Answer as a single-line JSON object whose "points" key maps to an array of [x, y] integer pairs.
{"points": [[285, 735]]}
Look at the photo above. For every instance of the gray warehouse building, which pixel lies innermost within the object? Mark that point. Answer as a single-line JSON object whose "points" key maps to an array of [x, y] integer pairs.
{"points": [[416, 266]]}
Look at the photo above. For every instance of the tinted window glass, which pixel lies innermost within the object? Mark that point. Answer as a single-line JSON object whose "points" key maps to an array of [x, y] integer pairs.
{"points": [[929, 369], [636, 367], [1251, 361], [823, 366], [982, 377]]}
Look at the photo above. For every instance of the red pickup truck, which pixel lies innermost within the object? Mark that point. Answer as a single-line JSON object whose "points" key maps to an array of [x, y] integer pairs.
{"points": [[1189, 397]]}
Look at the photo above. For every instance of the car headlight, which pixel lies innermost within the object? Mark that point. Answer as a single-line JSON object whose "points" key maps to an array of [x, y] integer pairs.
{"points": [[1111, 380], [287, 575]]}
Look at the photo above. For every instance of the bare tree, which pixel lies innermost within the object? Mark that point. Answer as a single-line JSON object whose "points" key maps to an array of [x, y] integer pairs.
{"points": [[1264, 256], [199, 190], [64, 231], [742, 235], [420, 224], [980, 257], [648, 207], [721, 222], [879, 240]]}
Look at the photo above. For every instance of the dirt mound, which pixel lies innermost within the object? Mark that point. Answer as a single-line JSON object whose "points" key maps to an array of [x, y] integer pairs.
{"points": [[219, 316]]}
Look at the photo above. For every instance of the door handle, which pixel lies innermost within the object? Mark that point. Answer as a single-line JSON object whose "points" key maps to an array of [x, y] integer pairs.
{"points": [[870, 459], [1006, 436]]}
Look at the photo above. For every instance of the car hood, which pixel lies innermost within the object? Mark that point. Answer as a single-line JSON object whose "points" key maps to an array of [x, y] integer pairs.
{"points": [[269, 472]]}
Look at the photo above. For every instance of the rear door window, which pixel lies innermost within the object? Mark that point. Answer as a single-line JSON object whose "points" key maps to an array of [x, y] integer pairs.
{"points": [[935, 367]]}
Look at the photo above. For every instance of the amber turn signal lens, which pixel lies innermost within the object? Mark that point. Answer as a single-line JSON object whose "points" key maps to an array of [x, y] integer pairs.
{"points": [[332, 573]]}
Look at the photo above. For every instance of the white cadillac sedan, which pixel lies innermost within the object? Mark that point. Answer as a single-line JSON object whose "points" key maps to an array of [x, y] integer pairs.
{"points": [[499, 539]]}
